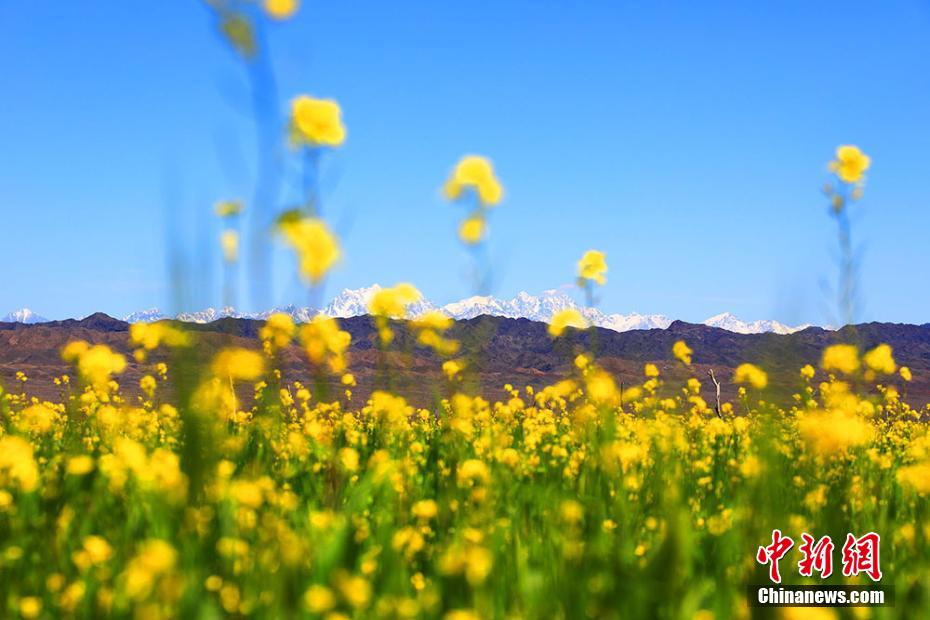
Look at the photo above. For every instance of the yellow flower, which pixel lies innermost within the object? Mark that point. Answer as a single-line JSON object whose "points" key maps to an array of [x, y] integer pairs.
{"points": [[807, 371], [281, 9], [425, 509], [880, 360], [79, 465], [451, 368], [317, 248], [30, 606], [228, 208], [278, 330], [841, 357], [917, 477], [682, 352], [95, 551], [834, 431], [473, 230], [905, 373], [17, 464], [96, 364], [601, 388], [850, 163], [392, 302], [316, 122], [355, 590], [154, 559], [751, 374], [592, 267], [476, 173], [430, 327], [472, 471], [238, 364], [651, 371], [229, 242], [325, 343], [319, 599], [150, 335], [563, 319]]}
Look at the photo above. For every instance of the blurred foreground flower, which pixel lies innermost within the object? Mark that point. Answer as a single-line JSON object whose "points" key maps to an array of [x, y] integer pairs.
{"points": [[96, 364], [682, 352], [391, 303], [592, 268], [840, 357], [473, 230], [228, 208], [563, 319], [229, 242], [475, 173], [850, 163], [316, 122], [325, 343], [317, 248], [238, 364], [751, 374], [281, 9]]}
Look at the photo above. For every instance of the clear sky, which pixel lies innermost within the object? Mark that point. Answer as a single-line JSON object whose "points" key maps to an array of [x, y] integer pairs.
{"points": [[688, 140]]}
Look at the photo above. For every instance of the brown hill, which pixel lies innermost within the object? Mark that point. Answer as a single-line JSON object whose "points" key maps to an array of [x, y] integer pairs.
{"points": [[516, 351]]}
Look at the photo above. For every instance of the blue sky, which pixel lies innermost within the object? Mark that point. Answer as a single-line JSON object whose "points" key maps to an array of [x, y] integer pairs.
{"points": [[687, 140]]}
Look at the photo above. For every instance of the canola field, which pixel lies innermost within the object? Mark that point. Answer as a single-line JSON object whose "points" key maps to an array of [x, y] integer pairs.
{"points": [[569, 501]]}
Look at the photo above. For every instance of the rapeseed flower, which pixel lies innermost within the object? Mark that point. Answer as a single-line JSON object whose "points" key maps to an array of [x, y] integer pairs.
{"points": [[850, 163], [316, 122], [592, 267], [473, 230], [475, 173], [564, 319], [841, 357], [281, 9], [751, 374], [238, 364], [325, 343], [317, 248], [880, 360], [682, 352]]}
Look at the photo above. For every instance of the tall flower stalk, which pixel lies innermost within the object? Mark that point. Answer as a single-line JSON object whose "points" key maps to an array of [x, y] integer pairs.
{"points": [[849, 168]]}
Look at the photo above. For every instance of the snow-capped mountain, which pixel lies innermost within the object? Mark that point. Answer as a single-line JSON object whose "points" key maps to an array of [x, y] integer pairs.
{"points": [[543, 306], [729, 322], [354, 302], [146, 316], [208, 315], [25, 316], [300, 314], [476, 306]]}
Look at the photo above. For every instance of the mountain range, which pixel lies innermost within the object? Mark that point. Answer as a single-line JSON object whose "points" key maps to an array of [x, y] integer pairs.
{"points": [[354, 302], [507, 350]]}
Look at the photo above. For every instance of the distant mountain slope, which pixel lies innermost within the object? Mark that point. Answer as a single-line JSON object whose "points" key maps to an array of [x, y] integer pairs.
{"points": [[518, 351]]}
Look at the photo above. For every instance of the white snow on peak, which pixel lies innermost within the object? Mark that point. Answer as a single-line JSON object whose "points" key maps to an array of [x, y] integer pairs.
{"points": [[354, 302], [729, 322], [23, 315], [146, 316]]}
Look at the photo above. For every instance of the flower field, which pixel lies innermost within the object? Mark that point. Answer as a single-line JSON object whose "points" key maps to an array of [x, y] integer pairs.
{"points": [[560, 502]]}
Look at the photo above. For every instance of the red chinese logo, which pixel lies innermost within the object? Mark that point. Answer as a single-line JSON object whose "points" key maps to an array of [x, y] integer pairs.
{"points": [[817, 556], [860, 555], [773, 553]]}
